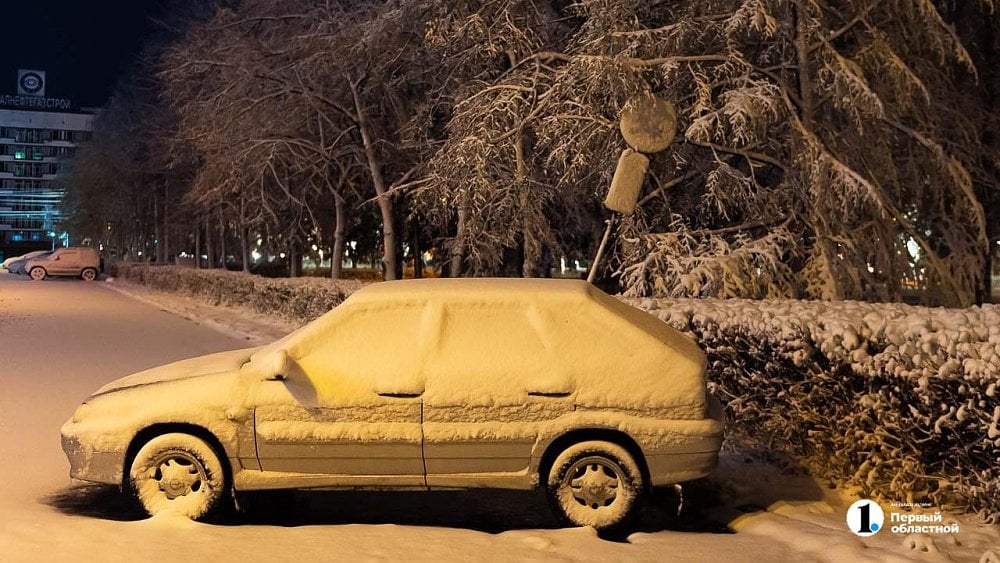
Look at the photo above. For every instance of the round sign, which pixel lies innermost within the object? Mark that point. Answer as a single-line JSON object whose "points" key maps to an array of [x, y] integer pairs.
{"points": [[648, 123], [31, 82]]}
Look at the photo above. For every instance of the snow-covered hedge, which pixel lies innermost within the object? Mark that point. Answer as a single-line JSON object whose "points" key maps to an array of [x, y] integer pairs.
{"points": [[900, 401], [296, 299]]}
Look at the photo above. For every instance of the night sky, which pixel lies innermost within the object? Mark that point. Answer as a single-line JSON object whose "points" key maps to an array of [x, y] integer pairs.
{"points": [[84, 45]]}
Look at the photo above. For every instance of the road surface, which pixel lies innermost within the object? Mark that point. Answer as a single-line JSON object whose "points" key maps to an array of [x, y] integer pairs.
{"points": [[61, 339]]}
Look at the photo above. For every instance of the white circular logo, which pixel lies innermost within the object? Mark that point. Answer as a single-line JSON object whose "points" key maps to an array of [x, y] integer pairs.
{"points": [[865, 518], [31, 82]]}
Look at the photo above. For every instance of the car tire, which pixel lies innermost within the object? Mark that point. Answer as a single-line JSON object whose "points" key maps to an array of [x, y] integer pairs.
{"points": [[88, 274], [595, 483], [178, 473], [37, 274]]}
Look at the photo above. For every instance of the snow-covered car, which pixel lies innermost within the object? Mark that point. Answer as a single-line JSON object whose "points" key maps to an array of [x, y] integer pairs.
{"points": [[74, 261], [16, 265], [519, 384]]}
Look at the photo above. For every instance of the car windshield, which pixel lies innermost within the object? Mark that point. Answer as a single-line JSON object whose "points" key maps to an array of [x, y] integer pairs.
{"points": [[38, 254], [286, 341]]}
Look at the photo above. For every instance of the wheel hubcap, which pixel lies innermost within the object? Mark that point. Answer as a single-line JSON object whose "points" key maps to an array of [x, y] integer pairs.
{"points": [[178, 476], [593, 482]]}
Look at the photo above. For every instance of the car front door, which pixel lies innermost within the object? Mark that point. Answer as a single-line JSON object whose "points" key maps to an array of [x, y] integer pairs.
{"points": [[350, 409], [53, 263], [67, 264]]}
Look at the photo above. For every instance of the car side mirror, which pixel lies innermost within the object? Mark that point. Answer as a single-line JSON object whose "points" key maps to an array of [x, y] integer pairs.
{"points": [[281, 366]]}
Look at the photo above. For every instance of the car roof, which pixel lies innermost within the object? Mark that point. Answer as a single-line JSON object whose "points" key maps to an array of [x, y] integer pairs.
{"points": [[478, 289], [668, 375], [555, 294]]}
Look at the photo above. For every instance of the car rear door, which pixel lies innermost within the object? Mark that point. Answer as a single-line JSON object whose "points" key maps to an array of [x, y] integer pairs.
{"points": [[352, 409], [69, 262], [492, 386]]}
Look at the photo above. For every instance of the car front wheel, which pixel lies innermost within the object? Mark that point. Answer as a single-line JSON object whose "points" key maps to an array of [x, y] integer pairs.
{"points": [[37, 274], [177, 473], [595, 483]]}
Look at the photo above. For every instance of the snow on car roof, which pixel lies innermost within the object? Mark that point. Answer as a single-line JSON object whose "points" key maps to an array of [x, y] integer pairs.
{"points": [[484, 288]]}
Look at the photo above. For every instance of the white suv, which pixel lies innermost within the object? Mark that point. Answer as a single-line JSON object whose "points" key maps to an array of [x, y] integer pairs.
{"points": [[77, 261]]}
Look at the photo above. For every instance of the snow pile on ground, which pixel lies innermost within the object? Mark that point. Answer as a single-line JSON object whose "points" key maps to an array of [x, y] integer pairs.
{"points": [[896, 400], [291, 298]]}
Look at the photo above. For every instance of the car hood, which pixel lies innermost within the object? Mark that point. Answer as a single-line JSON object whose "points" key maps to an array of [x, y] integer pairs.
{"points": [[185, 369]]}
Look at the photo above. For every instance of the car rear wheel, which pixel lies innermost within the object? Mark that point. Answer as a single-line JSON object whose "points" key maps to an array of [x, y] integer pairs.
{"points": [[89, 274], [37, 274], [595, 483], [177, 473]]}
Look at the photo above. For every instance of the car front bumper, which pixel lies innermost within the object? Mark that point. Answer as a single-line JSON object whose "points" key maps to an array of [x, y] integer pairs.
{"points": [[90, 464]]}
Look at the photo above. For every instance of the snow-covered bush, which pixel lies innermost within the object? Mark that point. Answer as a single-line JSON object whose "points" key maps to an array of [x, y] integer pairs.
{"points": [[897, 400], [296, 299]]}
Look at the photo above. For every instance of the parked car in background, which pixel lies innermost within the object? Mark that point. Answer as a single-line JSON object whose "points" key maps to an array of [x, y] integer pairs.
{"points": [[4, 265], [443, 383], [75, 261], [16, 264]]}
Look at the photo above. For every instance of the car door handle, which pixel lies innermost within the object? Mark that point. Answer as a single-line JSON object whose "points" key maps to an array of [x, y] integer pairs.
{"points": [[551, 394], [399, 395]]}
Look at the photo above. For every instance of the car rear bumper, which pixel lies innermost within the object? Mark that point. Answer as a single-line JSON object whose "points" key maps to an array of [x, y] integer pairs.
{"points": [[667, 469], [88, 464], [695, 459]]}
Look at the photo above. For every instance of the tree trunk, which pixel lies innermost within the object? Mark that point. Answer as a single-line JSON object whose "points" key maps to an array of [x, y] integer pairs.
{"points": [[418, 260], [384, 201], [165, 241], [802, 54], [337, 258], [197, 244], [985, 293], [244, 235], [293, 258], [531, 248], [157, 233], [457, 250], [209, 243], [222, 242]]}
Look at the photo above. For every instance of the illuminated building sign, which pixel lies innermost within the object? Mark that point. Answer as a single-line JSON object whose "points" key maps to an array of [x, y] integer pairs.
{"points": [[31, 93]]}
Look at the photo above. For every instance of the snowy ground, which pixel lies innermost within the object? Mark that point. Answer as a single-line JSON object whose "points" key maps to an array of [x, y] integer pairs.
{"points": [[61, 339]]}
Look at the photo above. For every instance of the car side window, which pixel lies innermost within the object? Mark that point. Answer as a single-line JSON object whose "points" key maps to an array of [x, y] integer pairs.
{"points": [[488, 354], [369, 350]]}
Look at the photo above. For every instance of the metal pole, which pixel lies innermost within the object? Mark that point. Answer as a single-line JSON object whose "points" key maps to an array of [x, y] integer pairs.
{"points": [[600, 249]]}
